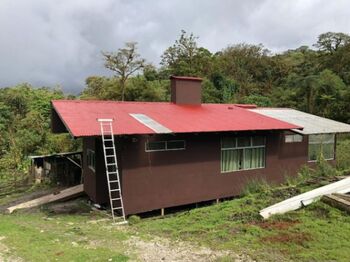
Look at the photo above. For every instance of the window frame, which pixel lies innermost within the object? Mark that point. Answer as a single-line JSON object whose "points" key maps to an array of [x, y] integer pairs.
{"points": [[321, 143], [166, 146], [243, 148], [91, 156]]}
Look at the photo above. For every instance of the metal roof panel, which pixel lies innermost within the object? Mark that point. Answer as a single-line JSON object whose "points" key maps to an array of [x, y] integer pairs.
{"points": [[312, 124]]}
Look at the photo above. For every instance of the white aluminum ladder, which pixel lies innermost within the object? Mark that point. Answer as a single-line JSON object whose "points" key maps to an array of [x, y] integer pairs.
{"points": [[112, 172]]}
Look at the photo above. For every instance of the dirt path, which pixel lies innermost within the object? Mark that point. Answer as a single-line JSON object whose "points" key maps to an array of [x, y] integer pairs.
{"points": [[161, 249]]}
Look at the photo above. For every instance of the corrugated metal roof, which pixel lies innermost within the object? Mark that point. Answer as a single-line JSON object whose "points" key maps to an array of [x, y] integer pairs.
{"points": [[80, 117], [312, 124]]}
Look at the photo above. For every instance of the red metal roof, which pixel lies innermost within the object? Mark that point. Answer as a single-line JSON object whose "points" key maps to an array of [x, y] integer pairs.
{"points": [[80, 117]]}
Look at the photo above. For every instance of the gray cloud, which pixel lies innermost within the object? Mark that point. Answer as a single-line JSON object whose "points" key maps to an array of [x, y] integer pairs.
{"points": [[59, 42]]}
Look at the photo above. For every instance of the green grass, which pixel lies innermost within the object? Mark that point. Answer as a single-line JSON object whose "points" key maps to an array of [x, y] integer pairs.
{"points": [[315, 233], [38, 237]]}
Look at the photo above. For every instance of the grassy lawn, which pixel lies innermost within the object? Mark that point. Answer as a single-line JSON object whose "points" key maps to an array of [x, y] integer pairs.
{"points": [[37, 236]]}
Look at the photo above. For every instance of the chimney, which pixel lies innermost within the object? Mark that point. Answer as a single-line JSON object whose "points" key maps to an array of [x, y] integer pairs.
{"points": [[186, 90]]}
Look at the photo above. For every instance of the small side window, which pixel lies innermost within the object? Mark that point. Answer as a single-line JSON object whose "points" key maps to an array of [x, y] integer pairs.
{"points": [[165, 145], [293, 138], [91, 162], [175, 145], [155, 146]]}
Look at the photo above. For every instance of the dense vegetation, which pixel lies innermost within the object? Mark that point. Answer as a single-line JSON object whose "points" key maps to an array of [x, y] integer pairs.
{"points": [[315, 80]]}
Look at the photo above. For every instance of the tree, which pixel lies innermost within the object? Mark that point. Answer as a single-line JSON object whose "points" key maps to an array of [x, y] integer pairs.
{"points": [[125, 62], [330, 41], [184, 57]]}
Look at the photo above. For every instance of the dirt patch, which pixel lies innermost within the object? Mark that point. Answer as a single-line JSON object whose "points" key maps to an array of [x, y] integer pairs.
{"points": [[69, 207], [276, 225], [161, 249], [296, 238]]}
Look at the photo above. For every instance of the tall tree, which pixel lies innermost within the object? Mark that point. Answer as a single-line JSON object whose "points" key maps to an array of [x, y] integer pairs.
{"points": [[125, 62], [330, 41], [184, 57]]}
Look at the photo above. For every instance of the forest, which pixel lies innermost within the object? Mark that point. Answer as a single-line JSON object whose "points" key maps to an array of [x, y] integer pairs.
{"points": [[313, 79]]}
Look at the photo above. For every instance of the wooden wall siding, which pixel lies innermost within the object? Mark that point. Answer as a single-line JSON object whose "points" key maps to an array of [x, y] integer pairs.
{"points": [[153, 180]]}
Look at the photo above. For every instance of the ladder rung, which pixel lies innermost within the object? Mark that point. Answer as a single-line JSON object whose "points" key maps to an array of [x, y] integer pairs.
{"points": [[110, 156], [108, 140], [111, 164], [109, 147], [113, 181], [114, 208], [118, 198], [112, 172], [114, 190]]}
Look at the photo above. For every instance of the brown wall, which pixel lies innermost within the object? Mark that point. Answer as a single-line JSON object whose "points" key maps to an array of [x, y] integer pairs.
{"points": [[153, 180], [57, 125], [186, 91]]}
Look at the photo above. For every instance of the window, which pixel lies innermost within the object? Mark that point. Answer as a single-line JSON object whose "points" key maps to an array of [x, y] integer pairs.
{"points": [[242, 153], [321, 144], [293, 138], [165, 145], [91, 159]]}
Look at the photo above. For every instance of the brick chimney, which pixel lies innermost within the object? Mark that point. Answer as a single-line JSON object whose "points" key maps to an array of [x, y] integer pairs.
{"points": [[186, 90]]}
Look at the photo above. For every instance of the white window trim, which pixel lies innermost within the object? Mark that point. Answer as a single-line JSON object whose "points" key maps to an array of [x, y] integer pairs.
{"points": [[166, 146], [245, 147], [88, 164]]}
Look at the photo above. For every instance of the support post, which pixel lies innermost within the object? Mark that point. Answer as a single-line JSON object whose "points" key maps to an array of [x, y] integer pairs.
{"points": [[162, 212], [217, 201]]}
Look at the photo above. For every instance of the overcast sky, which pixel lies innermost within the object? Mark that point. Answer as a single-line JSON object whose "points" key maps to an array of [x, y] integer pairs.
{"points": [[54, 43]]}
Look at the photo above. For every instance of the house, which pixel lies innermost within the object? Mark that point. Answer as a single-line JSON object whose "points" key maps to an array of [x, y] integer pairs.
{"points": [[184, 151]]}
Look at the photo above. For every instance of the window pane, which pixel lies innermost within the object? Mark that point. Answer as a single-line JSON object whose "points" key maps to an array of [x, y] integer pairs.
{"points": [[297, 138], [254, 158], [314, 151], [179, 144], [247, 158], [288, 139], [328, 139], [243, 141], [231, 160], [228, 142], [315, 139], [328, 151], [154, 146], [258, 141]]}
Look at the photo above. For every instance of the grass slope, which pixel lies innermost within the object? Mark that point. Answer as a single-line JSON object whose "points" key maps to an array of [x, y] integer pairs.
{"points": [[37, 236], [315, 233]]}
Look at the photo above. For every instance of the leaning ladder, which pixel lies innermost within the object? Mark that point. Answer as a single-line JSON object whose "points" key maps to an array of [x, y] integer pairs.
{"points": [[112, 172]]}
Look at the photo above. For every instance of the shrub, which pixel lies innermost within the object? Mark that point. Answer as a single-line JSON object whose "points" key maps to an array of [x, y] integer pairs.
{"points": [[256, 186], [134, 220]]}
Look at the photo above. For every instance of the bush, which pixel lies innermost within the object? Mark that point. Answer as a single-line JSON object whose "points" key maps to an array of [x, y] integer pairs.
{"points": [[323, 169], [343, 154], [256, 186], [134, 220]]}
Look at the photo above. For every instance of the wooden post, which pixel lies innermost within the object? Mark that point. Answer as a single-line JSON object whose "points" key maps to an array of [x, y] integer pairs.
{"points": [[162, 212], [217, 201]]}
